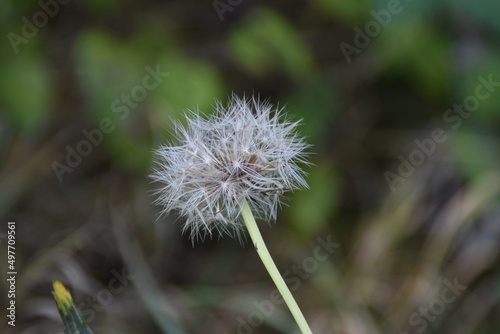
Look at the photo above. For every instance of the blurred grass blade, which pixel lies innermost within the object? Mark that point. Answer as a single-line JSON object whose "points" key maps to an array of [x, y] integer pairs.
{"points": [[71, 317]]}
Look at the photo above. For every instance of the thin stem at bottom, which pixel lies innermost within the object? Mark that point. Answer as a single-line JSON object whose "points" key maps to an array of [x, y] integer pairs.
{"points": [[261, 249]]}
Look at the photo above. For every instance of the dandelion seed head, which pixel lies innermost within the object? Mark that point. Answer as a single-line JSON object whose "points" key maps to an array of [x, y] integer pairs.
{"points": [[245, 151]]}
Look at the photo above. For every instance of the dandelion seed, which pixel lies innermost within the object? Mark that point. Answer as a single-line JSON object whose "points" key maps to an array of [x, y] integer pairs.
{"points": [[243, 152]]}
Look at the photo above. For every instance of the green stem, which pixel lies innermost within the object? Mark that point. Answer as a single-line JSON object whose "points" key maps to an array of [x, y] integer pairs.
{"points": [[261, 249]]}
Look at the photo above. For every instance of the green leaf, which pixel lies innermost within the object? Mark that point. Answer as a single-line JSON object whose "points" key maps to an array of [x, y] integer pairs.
{"points": [[265, 42], [191, 84], [311, 209], [475, 154], [25, 89], [110, 72], [486, 115], [416, 49], [315, 103], [107, 68]]}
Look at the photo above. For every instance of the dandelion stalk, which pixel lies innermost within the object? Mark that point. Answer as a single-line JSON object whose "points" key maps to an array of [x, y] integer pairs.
{"points": [[266, 258]]}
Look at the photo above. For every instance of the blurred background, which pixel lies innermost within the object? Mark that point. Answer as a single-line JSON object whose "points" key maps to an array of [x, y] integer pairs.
{"points": [[400, 100]]}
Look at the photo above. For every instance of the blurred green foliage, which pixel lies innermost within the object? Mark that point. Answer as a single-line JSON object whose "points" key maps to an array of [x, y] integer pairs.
{"points": [[312, 209], [359, 116], [26, 74], [417, 51], [265, 42]]}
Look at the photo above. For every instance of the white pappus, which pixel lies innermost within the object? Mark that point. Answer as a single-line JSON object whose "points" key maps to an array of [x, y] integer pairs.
{"points": [[245, 151]]}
